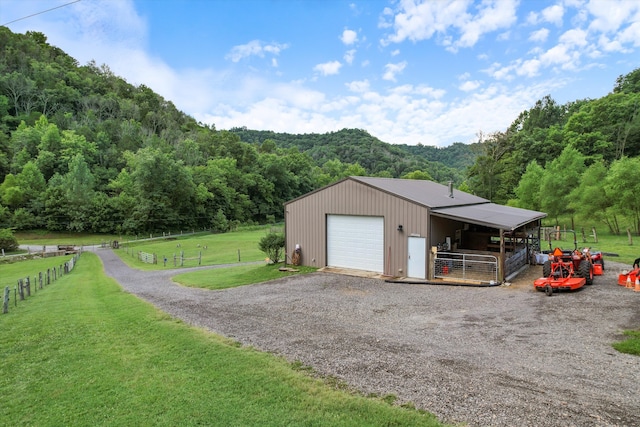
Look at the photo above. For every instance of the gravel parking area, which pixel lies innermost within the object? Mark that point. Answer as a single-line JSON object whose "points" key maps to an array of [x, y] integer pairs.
{"points": [[498, 356]]}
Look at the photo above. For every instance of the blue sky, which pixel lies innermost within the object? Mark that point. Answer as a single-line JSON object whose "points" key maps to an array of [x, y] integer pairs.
{"points": [[407, 71]]}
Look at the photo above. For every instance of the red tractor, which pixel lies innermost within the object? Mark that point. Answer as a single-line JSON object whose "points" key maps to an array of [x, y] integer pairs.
{"points": [[569, 270]]}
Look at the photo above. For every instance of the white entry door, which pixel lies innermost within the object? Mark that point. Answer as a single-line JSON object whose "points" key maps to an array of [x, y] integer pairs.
{"points": [[416, 264]]}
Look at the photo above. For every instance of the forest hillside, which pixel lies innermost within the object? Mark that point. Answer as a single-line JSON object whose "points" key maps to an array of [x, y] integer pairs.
{"points": [[81, 149]]}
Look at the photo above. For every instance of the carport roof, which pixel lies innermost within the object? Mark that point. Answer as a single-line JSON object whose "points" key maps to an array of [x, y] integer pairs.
{"points": [[491, 215]]}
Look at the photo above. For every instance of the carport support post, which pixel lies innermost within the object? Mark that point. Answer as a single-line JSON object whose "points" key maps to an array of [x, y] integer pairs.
{"points": [[502, 258]]}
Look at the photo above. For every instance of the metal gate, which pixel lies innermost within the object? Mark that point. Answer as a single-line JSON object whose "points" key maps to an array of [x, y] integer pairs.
{"points": [[453, 265]]}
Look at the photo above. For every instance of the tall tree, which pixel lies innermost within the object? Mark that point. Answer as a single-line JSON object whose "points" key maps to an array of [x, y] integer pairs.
{"points": [[561, 176]]}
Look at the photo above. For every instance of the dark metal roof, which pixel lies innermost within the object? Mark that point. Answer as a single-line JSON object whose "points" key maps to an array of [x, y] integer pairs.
{"points": [[462, 206], [491, 215], [426, 193]]}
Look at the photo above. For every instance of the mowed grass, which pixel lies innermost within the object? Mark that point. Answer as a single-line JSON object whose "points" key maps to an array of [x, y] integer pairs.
{"points": [[607, 242], [14, 269], [631, 345], [43, 237], [230, 277], [84, 352], [225, 248]]}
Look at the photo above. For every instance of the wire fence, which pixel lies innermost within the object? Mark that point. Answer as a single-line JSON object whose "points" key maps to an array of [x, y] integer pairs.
{"points": [[25, 287]]}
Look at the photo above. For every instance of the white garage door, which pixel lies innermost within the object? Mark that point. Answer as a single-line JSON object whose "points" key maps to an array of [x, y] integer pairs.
{"points": [[355, 242]]}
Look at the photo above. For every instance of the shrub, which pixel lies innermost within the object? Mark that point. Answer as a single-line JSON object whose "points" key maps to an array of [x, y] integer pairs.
{"points": [[8, 241], [273, 245]]}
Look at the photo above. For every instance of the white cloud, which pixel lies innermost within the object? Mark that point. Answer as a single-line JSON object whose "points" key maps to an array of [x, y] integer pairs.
{"points": [[539, 35], [391, 70], [328, 68], [574, 37], [254, 48], [609, 16], [553, 14], [349, 37], [349, 56], [631, 34], [417, 20], [358, 86], [469, 85], [529, 68]]}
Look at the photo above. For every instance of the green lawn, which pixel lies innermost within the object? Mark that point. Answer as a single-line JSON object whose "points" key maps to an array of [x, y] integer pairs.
{"points": [[83, 352], [12, 269], [224, 248], [231, 277], [609, 243], [43, 237]]}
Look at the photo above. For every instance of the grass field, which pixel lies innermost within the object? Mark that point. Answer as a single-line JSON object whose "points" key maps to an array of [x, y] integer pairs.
{"points": [[226, 248], [10, 272], [43, 237], [608, 243], [83, 352]]}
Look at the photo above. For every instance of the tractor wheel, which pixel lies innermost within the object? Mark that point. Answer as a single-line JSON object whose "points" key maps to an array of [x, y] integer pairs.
{"points": [[546, 269], [548, 290], [601, 262], [586, 270]]}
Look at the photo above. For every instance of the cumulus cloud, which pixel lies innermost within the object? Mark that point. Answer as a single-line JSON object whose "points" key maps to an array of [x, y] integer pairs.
{"points": [[391, 70], [254, 48], [539, 35], [328, 68], [358, 86], [553, 14], [469, 85], [349, 56], [349, 37], [417, 20]]}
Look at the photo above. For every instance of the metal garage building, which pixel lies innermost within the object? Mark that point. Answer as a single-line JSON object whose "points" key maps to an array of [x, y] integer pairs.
{"points": [[410, 228]]}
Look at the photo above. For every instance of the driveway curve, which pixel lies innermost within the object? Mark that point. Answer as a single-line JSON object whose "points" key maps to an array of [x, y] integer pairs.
{"points": [[499, 356]]}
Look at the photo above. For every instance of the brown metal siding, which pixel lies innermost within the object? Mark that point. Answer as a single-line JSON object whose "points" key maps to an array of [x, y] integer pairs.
{"points": [[305, 220]]}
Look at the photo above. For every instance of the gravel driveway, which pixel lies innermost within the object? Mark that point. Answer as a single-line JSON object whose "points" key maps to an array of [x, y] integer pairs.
{"points": [[499, 356]]}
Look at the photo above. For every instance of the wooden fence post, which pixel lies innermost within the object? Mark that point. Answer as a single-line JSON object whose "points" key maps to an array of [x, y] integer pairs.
{"points": [[5, 304], [21, 289]]}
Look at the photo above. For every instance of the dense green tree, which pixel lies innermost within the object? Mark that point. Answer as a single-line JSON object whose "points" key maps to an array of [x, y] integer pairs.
{"points": [[528, 190], [623, 185], [418, 175], [486, 173], [79, 193], [8, 241], [561, 176], [629, 83], [592, 201]]}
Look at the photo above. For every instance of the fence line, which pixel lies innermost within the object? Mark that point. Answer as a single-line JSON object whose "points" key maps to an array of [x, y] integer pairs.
{"points": [[23, 288]]}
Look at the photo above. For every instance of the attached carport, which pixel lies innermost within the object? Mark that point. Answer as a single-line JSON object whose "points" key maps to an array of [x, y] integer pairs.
{"points": [[509, 232]]}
